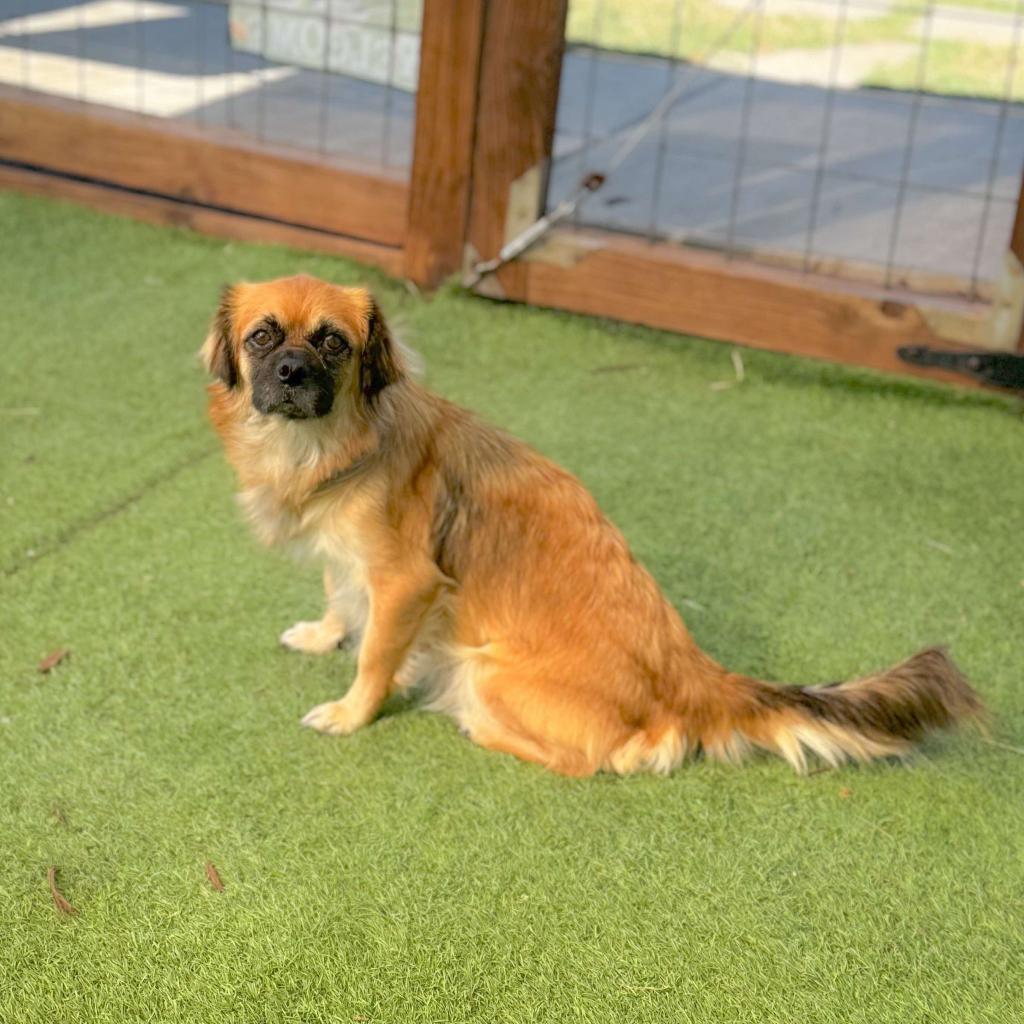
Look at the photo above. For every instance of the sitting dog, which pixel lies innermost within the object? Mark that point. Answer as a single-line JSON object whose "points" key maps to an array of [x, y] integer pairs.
{"points": [[462, 560]]}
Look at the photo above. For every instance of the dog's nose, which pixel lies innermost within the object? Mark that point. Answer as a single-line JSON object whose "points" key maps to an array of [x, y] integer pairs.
{"points": [[291, 369]]}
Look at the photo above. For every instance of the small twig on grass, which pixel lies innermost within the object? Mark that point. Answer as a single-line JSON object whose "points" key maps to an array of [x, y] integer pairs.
{"points": [[617, 368], [636, 989], [1003, 746], [211, 874], [58, 900], [738, 369], [53, 659]]}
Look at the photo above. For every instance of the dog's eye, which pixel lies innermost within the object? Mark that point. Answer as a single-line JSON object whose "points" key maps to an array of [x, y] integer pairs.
{"points": [[260, 338], [335, 343]]}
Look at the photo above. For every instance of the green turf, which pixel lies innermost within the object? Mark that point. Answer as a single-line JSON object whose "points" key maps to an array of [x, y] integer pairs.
{"points": [[811, 523]]}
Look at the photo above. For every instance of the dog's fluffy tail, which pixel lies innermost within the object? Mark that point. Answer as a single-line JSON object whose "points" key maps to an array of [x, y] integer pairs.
{"points": [[879, 716]]}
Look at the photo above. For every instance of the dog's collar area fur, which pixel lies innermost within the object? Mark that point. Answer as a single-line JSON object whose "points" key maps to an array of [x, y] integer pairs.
{"points": [[344, 475]]}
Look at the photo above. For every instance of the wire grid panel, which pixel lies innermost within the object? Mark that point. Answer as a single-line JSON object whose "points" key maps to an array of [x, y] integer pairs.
{"points": [[335, 77], [879, 139]]}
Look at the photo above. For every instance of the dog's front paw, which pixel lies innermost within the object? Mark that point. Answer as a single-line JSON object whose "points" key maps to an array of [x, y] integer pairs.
{"points": [[312, 638], [336, 718]]}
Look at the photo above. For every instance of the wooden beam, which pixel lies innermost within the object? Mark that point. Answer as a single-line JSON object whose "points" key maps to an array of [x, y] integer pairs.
{"points": [[1017, 246], [218, 223], [520, 69], [214, 167], [1017, 235], [446, 110], [706, 294]]}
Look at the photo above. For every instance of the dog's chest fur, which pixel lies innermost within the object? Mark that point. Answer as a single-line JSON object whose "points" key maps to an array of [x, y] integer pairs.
{"points": [[281, 468]]}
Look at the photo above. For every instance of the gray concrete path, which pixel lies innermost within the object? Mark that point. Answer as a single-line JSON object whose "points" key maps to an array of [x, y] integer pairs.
{"points": [[963, 162], [173, 59]]}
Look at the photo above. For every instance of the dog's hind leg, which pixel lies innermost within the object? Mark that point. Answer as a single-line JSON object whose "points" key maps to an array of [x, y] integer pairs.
{"points": [[505, 741], [522, 719]]}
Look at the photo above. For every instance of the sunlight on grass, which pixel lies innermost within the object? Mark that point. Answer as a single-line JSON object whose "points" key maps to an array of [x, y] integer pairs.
{"points": [[694, 31], [963, 69]]}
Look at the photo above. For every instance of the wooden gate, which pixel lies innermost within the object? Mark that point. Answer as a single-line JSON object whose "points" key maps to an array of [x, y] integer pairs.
{"points": [[481, 144]]}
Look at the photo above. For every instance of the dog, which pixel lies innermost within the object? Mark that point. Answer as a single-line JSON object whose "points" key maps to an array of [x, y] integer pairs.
{"points": [[462, 561]]}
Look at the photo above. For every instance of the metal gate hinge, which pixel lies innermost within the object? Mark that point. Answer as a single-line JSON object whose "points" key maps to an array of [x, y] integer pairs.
{"points": [[1000, 369]]}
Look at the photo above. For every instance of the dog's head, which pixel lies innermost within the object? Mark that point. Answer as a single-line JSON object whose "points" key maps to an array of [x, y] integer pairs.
{"points": [[297, 346]]}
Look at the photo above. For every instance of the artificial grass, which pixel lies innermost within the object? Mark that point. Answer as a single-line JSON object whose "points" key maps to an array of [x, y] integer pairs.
{"points": [[811, 523]]}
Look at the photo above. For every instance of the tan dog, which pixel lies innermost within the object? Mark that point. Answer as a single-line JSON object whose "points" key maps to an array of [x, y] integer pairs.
{"points": [[469, 563]]}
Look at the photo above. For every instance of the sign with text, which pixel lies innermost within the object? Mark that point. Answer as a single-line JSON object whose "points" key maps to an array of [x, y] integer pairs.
{"points": [[374, 40]]}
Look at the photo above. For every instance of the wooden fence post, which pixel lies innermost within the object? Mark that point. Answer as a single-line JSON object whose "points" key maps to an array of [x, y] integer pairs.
{"points": [[1017, 248], [485, 120], [520, 69], [446, 112]]}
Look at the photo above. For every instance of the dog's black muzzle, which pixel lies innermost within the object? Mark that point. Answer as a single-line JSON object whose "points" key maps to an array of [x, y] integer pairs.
{"points": [[294, 383]]}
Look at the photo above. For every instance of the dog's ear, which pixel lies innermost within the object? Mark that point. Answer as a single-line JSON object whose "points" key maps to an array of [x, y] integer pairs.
{"points": [[218, 352], [380, 364]]}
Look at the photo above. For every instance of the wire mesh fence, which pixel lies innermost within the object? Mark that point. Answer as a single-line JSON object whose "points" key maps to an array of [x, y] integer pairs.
{"points": [[333, 77], [864, 138], [876, 139]]}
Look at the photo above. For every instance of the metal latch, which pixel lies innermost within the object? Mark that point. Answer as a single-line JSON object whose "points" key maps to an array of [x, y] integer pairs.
{"points": [[1000, 369]]}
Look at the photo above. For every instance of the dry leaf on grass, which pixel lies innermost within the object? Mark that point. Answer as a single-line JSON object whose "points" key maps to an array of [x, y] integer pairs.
{"points": [[845, 793], [53, 659], [58, 900], [211, 874]]}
